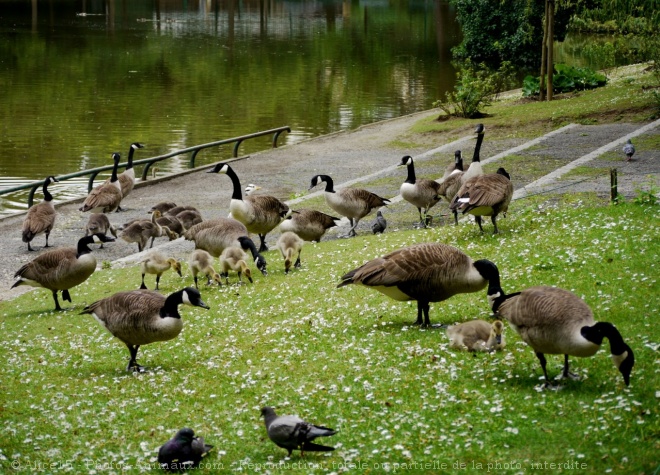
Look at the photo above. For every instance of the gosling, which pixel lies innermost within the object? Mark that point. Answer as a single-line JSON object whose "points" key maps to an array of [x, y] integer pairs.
{"points": [[477, 335], [157, 263]]}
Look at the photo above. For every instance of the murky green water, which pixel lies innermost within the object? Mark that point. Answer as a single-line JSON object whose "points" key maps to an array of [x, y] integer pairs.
{"points": [[82, 79]]}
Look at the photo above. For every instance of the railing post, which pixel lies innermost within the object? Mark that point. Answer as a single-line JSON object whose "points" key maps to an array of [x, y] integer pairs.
{"points": [[277, 134], [238, 144], [145, 170], [193, 155]]}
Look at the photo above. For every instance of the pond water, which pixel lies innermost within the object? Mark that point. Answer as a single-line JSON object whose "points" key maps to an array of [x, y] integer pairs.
{"points": [[82, 79]]}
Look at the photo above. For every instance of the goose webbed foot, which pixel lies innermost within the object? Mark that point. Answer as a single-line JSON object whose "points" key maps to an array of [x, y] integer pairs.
{"points": [[133, 367], [566, 374]]}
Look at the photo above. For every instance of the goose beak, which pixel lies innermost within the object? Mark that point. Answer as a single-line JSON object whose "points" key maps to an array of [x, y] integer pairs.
{"points": [[203, 305]]}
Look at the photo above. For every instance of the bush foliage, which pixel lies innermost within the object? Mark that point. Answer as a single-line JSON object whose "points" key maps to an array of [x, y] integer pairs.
{"points": [[566, 79]]}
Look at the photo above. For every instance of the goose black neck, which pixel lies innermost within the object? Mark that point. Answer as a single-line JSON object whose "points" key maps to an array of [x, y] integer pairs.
{"points": [[328, 183], [171, 307], [411, 173], [477, 147], [129, 163], [459, 164], [237, 193], [114, 178], [83, 245], [600, 330], [249, 244], [47, 195]]}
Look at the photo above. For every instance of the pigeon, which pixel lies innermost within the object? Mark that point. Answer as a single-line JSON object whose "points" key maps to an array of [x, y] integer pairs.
{"points": [[291, 432], [379, 223], [183, 451], [629, 150]]}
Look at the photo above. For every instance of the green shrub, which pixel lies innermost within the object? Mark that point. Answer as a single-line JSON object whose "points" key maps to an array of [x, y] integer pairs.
{"points": [[566, 79]]}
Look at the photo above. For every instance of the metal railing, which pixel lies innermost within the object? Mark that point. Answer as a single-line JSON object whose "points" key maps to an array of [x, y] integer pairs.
{"points": [[147, 162]]}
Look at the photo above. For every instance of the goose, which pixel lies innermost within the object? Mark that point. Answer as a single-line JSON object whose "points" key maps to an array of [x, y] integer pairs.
{"points": [[215, 235], [140, 317], [106, 197], [422, 193], [61, 269], [260, 213], [451, 168], [233, 258], [172, 223], [555, 321], [290, 244], [629, 150], [485, 195], [201, 262], [477, 335], [188, 218], [157, 263], [354, 203], [380, 223], [40, 218], [140, 232], [475, 167], [452, 183], [309, 224], [163, 206], [427, 272], [291, 432], [127, 178], [99, 223]]}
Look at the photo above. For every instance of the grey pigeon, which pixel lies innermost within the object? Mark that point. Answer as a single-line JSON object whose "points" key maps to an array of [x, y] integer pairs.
{"points": [[379, 223], [629, 150], [291, 432], [183, 451]]}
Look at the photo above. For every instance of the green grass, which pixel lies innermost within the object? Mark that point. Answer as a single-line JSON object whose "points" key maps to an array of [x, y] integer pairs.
{"points": [[350, 359]]}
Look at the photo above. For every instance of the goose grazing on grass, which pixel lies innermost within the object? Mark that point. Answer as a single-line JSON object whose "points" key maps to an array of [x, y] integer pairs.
{"points": [[354, 203], [99, 223], [422, 193], [140, 317], [452, 183], [40, 218], [233, 258], [260, 213], [428, 272], [292, 433], [380, 223], [290, 244], [61, 269], [157, 263], [106, 197], [477, 335], [485, 195], [201, 262], [215, 235], [309, 224], [183, 451], [629, 150], [557, 322], [127, 178]]}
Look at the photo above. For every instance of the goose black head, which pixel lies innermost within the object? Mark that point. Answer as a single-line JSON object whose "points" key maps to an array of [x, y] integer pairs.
{"points": [[406, 160], [219, 168], [479, 129], [503, 172], [191, 296]]}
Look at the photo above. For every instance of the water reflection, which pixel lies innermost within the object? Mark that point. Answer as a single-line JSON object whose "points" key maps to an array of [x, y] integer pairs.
{"points": [[82, 79]]}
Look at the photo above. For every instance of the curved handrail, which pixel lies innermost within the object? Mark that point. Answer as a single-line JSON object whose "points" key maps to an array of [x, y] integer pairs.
{"points": [[194, 150]]}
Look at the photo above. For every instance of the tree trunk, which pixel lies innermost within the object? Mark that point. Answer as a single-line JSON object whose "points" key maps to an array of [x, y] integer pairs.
{"points": [[550, 45], [544, 50]]}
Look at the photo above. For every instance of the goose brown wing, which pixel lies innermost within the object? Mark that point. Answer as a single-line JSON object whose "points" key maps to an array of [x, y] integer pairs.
{"points": [[268, 203], [47, 264], [102, 196], [127, 308], [370, 200]]}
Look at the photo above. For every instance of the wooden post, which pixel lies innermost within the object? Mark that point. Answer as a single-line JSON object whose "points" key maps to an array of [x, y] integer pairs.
{"points": [[614, 193]]}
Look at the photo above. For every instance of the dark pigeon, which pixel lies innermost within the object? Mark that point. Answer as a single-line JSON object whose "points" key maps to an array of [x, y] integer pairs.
{"points": [[183, 451], [379, 223], [629, 150], [291, 432]]}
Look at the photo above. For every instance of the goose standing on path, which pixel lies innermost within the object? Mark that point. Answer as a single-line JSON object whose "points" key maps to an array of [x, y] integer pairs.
{"points": [[354, 203], [422, 193], [555, 321], [61, 269], [309, 224], [140, 317], [127, 178], [259, 213], [485, 195], [106, 197], [40, 218], [452, 183], [428, 272]]}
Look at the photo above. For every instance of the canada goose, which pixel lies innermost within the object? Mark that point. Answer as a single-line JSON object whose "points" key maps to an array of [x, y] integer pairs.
{"points": [[555, 321], [451, 168], [290, 244], [629, 150], [380, 223], [233, 258], [309, 224], [188, 218], [475, 167], [422, 193], [163, 207], [291, 432], [260, 213], [157, 263], [215, 235], [427, 272], [452, 183], [477, 335], [140, 317], [61, 269], [485, 195], [140, 231], [99, 223], [127, 178], [354, 203], [106, 197], [183, 451], [40, 218], [201, 262]]}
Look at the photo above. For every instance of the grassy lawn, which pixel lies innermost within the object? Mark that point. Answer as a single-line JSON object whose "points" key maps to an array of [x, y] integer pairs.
{"points": [[349, 359]]}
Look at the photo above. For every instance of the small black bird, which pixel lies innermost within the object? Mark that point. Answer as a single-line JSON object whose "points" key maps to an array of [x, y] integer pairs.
{"points": [[291, 432], [379, 224], [183, 451]]}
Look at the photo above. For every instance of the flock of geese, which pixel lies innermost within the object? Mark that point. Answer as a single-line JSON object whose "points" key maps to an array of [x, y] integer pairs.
{"points": [[550, 320]]}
